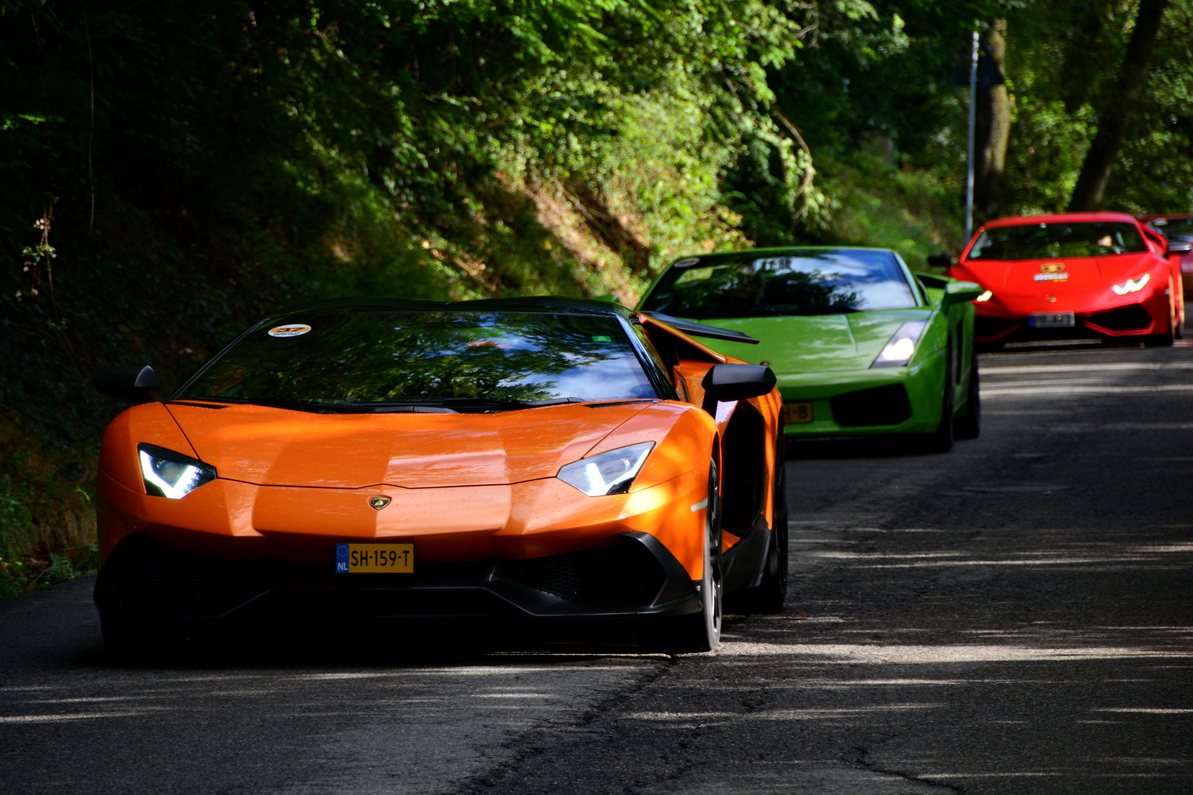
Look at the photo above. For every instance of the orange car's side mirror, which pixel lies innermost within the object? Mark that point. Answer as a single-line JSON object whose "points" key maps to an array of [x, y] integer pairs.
{"points": [[726, 382], [133, 383]]}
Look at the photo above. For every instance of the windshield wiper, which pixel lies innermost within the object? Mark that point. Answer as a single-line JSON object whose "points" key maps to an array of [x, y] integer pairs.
{"points": [[506, 403], [454, 405], [277, 403], [824, 309]]}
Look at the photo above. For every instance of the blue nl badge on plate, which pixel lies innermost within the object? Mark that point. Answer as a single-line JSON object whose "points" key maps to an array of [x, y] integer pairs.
{"points": [[341, 558]]}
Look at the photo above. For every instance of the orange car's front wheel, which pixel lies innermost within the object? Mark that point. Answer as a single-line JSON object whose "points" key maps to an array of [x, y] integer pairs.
{"points": [[701, 631]]}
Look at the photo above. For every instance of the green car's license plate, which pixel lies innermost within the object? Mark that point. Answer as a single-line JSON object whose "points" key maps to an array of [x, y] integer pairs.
{"points": [[375, 558], [797, 412]]}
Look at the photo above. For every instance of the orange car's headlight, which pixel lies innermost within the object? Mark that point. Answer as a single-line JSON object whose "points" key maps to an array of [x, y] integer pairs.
{"points": [[169, 474], [612, 472]]}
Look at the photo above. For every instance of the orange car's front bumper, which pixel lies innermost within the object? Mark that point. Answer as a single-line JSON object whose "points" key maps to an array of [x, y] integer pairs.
{"points": [[233, 550]]}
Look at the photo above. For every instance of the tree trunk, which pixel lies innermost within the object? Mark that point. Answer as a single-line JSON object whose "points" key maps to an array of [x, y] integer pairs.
{"points": [[1117, 109], [993, 127]]}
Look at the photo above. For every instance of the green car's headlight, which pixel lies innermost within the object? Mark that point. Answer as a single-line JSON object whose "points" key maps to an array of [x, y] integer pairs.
{"points": [[169, 474], [901, 348], [608, 473]]}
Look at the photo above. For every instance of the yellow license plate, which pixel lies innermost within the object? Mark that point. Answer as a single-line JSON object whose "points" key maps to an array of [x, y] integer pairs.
{"points": [[797, 412], [374, 558]]}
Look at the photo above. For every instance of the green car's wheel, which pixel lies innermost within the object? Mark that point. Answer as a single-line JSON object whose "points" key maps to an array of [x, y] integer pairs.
{"points": [[701, 631], [969, 424], [941, 439]]}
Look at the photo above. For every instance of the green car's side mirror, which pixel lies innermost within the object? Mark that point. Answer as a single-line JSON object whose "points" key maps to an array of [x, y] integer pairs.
{"points": [[959, 292]]}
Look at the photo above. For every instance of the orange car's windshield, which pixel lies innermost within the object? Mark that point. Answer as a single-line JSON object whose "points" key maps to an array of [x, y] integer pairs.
{"points": [[458, 361], [813, 282], [1052, 240]]}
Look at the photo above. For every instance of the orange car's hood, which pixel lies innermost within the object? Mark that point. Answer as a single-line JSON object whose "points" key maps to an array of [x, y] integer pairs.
{"points": [[268, 446], [1059, 276]]}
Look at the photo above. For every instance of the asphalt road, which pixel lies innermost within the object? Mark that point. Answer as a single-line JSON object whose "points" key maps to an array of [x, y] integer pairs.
{"points": [[1016, 616]]}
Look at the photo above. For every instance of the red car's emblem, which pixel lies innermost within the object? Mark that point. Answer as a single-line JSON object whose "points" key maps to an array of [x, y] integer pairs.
{"points": [[1052, 267], [377, 503]]}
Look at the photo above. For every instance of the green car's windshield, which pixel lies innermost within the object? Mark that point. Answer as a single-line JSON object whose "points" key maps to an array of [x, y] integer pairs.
{"points": [[1052, 240], [429, 360], [806, 283]]}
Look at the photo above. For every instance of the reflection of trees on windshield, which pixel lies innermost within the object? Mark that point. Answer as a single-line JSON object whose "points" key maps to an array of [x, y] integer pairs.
{"points": [[811, 283], [1051, 240], [380, 357], [815, 290]]}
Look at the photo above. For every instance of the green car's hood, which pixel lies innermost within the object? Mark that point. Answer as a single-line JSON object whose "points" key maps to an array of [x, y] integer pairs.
{"points": [[815, 343]]}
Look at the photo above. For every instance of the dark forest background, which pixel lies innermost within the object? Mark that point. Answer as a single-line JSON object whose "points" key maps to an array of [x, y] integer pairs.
{"points": [[170, 170]]}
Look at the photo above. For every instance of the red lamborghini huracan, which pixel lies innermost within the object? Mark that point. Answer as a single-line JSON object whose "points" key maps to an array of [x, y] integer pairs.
{"points": [[1073, 276]]}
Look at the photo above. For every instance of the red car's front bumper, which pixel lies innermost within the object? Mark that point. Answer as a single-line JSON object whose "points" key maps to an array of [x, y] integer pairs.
{"points": [[1017, 319]]}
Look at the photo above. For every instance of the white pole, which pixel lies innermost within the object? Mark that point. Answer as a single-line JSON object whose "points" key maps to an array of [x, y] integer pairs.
{"points": [[973, 104]]}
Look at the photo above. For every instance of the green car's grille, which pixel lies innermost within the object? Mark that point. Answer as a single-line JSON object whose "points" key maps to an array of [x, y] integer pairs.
{"points": [[884, 405]]}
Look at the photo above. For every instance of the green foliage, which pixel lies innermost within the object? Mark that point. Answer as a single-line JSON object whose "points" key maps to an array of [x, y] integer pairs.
{"points": [[16, 525], [174, 169], [913, 212]]}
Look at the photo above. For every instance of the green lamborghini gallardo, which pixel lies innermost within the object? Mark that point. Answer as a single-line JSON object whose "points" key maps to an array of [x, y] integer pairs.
{"points": [[861, 345]]}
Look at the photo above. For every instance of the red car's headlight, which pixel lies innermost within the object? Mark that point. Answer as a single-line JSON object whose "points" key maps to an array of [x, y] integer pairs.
{"points": [[1132, 285]]}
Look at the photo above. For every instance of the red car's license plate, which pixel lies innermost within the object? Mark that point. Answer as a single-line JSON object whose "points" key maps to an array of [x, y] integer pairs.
{"points": [[1053, 320], [374, 558]]}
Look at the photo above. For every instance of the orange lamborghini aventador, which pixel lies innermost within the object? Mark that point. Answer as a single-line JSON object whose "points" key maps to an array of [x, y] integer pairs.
{"points": [[533, 460]]}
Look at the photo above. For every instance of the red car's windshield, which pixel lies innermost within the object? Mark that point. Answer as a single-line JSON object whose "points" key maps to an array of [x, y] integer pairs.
{"points": [[1052, 240]]}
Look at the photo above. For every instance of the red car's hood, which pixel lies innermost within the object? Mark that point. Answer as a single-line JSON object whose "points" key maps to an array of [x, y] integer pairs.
{"points": [[1057, 276], [270, 446]]}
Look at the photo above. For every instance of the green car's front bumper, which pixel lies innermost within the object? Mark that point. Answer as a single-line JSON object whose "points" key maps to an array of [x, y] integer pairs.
{"points": [[875, 401]]}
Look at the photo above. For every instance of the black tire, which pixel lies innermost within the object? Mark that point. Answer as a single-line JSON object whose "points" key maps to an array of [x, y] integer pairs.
{"points": [[701, 631], [139, 643], [127, 642], [770, 595], [1168, 337], [941, 440], [969, 424]]}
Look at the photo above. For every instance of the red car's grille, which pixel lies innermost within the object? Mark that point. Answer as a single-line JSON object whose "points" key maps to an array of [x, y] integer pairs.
{"points": [[1128, 318]]}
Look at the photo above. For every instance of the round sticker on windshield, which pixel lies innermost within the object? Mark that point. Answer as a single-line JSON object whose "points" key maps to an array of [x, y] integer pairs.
{"points": [[289, 331]]}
